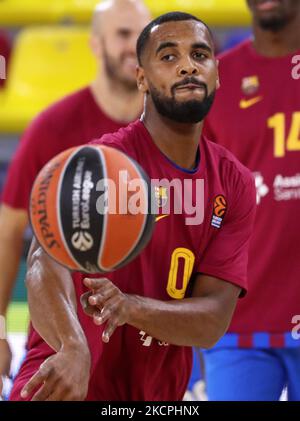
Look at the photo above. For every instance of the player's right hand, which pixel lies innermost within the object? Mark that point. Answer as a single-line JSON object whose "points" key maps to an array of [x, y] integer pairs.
{"points": [[62, 377], [5, 360]]}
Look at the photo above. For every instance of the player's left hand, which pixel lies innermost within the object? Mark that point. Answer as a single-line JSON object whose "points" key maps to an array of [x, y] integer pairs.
{"points": [[106, 304]]}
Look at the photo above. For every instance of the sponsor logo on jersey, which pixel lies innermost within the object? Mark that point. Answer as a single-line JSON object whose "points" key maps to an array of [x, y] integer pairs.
{"points": [[247, 103], [286, 188], [261, 188], [148, 340], [220, 207], [250, 85]]}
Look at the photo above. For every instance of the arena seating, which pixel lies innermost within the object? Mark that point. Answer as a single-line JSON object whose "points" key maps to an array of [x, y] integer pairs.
{"points": [[41, 64], [214, 12]]}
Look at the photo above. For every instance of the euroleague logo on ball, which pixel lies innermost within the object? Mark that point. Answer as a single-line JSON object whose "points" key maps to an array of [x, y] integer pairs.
{"points": [[82, 240]]}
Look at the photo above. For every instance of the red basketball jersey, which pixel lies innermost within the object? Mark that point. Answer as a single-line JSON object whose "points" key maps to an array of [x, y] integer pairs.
{"points": [[256, 115], [133, 365]]}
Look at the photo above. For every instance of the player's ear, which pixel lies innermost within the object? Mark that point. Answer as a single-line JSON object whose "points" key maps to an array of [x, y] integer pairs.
{"points": [[218, 84], [142, 83], [95, 45]]}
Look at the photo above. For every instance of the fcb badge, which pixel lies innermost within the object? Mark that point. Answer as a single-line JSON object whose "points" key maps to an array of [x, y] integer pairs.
{"points": [[161, 196], [250, 85], [220, 207]]}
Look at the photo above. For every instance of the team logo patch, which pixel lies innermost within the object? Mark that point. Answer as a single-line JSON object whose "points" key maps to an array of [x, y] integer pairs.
{"points": [[220, 207], [250, 85], [161, 196]]}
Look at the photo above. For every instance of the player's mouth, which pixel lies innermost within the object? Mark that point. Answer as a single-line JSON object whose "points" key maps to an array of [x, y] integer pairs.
{"points": [[190, 86], [130, 63], [267, 5], [191, 91]]}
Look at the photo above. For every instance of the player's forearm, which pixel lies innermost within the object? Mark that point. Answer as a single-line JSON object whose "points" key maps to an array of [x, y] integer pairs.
{"points": [[10, 255], [52, 302], [188, 322]]}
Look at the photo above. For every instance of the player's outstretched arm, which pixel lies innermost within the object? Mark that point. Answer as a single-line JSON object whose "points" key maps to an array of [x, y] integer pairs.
{"points": [[197, 321], [52, 305]]}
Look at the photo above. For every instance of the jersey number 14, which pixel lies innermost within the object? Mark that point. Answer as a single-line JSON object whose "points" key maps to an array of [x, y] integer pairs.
{"points": [[278, 123]]}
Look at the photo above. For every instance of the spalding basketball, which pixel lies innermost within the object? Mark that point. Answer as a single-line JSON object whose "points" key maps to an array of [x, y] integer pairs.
{"points": [[90, 209]]}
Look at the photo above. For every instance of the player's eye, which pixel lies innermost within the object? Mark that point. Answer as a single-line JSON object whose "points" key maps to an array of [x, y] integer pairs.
{"points": [[168, 57], [124, 33], [199, 55]]}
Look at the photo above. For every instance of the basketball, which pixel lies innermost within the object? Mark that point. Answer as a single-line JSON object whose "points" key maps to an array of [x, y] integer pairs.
{"points": [[90, 209]]}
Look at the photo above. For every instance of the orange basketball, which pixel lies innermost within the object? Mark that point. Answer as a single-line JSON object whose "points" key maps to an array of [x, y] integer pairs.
{"points": [[90, 209]]}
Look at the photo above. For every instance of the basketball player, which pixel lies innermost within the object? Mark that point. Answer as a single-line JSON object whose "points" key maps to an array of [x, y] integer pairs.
{"points": [[261, 126], [110, 102], [182, 289]]}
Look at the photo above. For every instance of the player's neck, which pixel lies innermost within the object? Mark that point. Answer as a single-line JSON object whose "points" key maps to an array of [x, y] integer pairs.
{"points": [[278, 44], [179, 142], [119, 103]]}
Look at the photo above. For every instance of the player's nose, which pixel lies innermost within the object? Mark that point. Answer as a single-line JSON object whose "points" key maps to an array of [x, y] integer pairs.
{"points": [[187, 67]]}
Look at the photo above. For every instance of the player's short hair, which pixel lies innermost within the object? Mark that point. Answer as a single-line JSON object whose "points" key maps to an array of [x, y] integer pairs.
{"points": [[167, 17]]}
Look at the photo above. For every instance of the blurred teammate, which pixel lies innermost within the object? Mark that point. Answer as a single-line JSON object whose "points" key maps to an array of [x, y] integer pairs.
{"points": [[182, 290], [110, 102], [260, 124]]}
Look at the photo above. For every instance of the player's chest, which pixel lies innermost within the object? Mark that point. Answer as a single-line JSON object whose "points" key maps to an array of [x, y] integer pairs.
{"points": [[261, 125]]}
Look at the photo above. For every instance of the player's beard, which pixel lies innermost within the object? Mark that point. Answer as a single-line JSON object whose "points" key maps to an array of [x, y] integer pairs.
{"points": [[191, 112], [274, 23], [280, 18], [113, 67]]}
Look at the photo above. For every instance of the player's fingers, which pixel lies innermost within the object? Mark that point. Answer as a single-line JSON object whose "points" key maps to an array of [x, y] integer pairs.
{"points": [[87, 308], [99, 298], [110, 308], [95, 283], [59, 393], [111, 326], [36, 380], [46, 390], [66, 391]]}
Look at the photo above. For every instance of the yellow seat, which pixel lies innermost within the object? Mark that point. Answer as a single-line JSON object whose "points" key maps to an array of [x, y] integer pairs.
{"points": [[21, 12], [214, 12], [47, 63]]}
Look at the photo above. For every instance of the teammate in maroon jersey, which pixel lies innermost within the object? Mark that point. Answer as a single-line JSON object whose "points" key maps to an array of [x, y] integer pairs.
{"points": [[110, 102], [182, 289], [261, 126]]}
